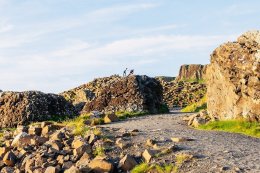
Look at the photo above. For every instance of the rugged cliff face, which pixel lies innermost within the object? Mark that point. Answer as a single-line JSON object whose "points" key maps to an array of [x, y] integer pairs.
{"points": [[192, 72], [115, 93], [233, 79], [182, 93], [24, 107]]}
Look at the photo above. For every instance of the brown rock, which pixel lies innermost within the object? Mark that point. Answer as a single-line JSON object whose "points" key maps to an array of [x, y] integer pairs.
{"points": [[127, 163], [148, 155], [3, 151], [72, 169], [179, 139], [7, 170], [100, 166], [233, 79], [10, 159], [150, 142], [110, 118], [78, 152], [57, 145], [35, 131], [77, 142]]}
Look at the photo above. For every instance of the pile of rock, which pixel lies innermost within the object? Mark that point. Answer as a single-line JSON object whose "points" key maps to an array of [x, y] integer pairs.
{"points": [[233, 79], [192, 72], [50, 148], [198, 119], [24, 107], [115, 93], [182, 93]]}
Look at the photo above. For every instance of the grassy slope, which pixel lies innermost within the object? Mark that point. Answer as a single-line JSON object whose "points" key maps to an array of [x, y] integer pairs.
{"points": [[234, 126], [196, 107]]}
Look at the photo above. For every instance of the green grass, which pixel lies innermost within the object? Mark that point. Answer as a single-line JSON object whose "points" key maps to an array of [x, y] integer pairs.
{"points": [[196, 107], [145, 167], [124, 114], [99, 151], [78, 123], [194, 80], [234, 126]]}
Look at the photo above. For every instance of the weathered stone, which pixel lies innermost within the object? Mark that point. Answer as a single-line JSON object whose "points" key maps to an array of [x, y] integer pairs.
{"points": [[110, 118], [46, 123], [22, 139], [35, 131], [100, 166], [121, 143], [20, 129], [150, 142], [7, 170], [127, 163], [179, 139], [197, 121], [72, 169], [25, 107], [3, 151], [10, 159], [233, 79], [92, 139], [84, 160], [67, 165], [77, 142], [57, 145], [78, 152], [148, 155]]}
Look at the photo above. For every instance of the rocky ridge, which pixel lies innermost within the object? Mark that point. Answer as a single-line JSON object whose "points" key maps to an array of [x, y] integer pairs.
{"points": [[192, 72], [233, 79], [18, 108], [115, 93]]}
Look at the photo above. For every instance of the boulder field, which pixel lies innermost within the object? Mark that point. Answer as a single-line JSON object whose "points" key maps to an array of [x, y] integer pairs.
{"points": [[30, 106], [233, 79]]}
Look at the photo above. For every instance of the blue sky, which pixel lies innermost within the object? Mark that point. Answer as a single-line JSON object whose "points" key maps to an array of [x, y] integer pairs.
{"points": [[54, 45]]}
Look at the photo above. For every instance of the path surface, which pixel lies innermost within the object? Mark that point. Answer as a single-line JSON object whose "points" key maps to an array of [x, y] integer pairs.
{"points": [[218, 151]]}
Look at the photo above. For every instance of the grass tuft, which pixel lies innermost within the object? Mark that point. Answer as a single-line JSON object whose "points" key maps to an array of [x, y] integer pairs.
{"points": [[124, 114], [234, 126], [196, 107]]}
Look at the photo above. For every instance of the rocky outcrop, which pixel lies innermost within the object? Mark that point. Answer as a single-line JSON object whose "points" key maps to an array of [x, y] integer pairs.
{"points": [[165, 78], [132, 94], [233, 79], [192, 72], [24, 107], [182, 93]]}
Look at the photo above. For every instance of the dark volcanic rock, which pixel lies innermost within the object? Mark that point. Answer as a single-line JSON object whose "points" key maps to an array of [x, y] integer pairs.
{"points": [[24, 107], [233, 79], [133, 93], [192, 72]]}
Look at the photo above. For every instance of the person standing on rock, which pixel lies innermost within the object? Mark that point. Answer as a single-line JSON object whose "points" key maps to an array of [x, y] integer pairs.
{"points": [[124, 74], [131, 72]]}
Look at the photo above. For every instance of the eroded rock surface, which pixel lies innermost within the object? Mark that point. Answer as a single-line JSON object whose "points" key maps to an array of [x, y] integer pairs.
{"points": [[192, 72], [24, 107], [115, 93], [233, 79]]}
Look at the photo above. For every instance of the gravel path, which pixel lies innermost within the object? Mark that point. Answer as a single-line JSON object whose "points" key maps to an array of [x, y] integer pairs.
{"points": [[217, 151]]}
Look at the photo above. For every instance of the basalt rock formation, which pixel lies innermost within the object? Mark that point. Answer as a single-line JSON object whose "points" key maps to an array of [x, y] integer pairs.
{"points": [[115, 93], [25, 107], [192, 72], [182, 93], [233, 79]]}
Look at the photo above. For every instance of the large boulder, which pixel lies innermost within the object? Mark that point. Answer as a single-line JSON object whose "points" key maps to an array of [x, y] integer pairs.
{"points": [[24, 107], [233, 79], [115, 93], [192, 72]]}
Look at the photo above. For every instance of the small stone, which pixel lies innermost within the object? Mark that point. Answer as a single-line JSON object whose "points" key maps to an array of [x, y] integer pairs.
{"points": [[57, 145], [78, 152], [7, 170], [150, 142], [92, 139], [78, 142], [179, 139], [148, 155], [110, 118], [127, 163], [21, 140], [100, 166], [3, 151], [51, 169], [198, 121], [35, 131], [10, 158], [72, 169], [67, 165]]}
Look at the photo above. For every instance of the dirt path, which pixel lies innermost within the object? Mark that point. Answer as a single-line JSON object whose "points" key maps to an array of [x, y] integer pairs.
{"points": [[217, 151]]}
